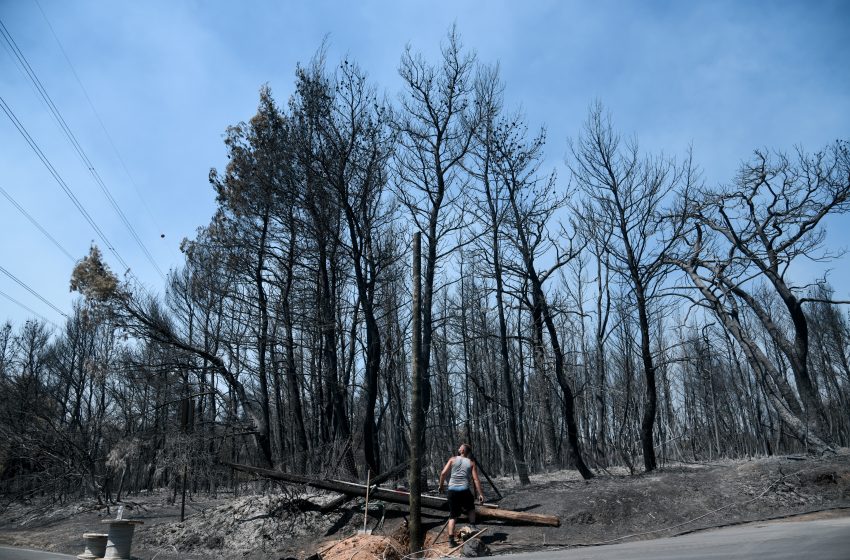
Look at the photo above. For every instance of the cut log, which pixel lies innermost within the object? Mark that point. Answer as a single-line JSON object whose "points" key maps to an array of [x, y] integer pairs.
{"points": [[486, 511], [517, 517]]}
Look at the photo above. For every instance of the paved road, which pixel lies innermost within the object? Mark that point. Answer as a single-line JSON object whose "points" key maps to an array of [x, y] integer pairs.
{"points": [[11, 553], [825, 539]]}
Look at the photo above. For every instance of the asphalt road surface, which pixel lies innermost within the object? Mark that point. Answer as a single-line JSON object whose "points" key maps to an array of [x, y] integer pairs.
{"points": [[11, 553], [825, 539]]}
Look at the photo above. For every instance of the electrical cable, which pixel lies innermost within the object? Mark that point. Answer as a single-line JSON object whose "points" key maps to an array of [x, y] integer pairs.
{"points": [[33, 292], [87, 163], [36, 313], [36, 224], [32, 143], [99, 119]]}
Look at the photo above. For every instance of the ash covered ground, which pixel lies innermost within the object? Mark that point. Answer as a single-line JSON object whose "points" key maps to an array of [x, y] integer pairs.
{"points": [[613, 507]]}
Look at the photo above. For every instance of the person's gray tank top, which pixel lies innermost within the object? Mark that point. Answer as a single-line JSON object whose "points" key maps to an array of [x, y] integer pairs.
{"points": [[461, 473]]}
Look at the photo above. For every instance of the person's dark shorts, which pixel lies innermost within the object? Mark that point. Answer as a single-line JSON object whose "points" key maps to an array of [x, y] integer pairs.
{"points": [[460, 501]]}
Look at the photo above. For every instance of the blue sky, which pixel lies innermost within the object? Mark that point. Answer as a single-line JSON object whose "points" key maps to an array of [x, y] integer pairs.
{"points": [[167, 77]]}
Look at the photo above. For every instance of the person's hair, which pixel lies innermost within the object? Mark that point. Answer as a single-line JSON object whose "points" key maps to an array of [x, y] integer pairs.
{"points": [[466, 447]]}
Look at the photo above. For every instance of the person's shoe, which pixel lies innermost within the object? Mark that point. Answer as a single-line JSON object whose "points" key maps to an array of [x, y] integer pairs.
{"points": [[452, 542]]}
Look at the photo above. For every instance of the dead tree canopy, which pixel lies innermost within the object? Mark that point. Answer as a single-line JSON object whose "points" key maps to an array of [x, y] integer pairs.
{"points": [[745, 237]]}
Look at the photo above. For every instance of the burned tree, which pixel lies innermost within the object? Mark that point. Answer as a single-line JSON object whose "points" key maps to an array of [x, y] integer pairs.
{"points": [[435, 132], [746, 236], [531, 203], [626, 193]]}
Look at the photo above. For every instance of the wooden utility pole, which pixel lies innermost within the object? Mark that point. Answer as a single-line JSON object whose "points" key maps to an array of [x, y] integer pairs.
{"points": [[417, 422], [186, 412]]}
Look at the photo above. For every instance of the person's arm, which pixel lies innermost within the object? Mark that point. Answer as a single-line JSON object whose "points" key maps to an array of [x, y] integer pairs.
{"points": [[477, 482], [444, 473]]}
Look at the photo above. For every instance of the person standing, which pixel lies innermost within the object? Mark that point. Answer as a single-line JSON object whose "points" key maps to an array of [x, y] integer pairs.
{"points": [[462, 474]]}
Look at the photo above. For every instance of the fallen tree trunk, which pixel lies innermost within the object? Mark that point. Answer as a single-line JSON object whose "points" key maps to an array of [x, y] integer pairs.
{"points": [[487, 511], [339, 502], [516, 517]]}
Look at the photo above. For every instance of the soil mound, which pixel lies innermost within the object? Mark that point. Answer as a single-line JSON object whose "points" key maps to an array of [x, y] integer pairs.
{"points": [[365, 547]]}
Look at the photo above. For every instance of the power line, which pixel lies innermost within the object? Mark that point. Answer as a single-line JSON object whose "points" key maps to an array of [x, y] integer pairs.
{"points": [[32, 143], [63, 125], [36, 224], [99, 119], [36, 313], [33, 292]]}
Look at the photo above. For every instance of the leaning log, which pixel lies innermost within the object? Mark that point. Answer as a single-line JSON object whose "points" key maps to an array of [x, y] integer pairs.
{"points": [[339, 502], [484, 512], [342, 487]]}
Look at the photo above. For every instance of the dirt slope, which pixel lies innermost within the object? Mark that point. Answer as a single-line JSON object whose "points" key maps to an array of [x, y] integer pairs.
{"points": [[610, 508]]}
